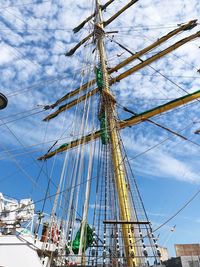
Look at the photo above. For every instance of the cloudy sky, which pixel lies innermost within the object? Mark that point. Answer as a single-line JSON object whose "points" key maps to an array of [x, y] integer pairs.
{"points": [[34, 35]]}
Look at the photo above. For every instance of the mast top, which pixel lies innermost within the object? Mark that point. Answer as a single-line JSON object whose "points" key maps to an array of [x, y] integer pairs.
{"points": [[105, 23]]}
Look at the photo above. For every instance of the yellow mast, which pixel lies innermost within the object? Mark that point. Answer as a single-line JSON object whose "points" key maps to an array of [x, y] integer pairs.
{"points": [[109, 106]]}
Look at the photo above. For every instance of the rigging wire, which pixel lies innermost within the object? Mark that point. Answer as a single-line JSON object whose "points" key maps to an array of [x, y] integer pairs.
{"points": [[37, 164], [159, 227], [72, 198], [41, 168], [24, 57], [170, 76], [187, 203], [17, 163], [19, 113], [161, 126], [83, 126], [178, 211], [71, 207], [26, 116], [50, 196], [20, 167], [61, 183], [55, 142], [159, 143], [11, 175], [157, 71], [156, 26], [78, 135], [37, 85], [25, 4], [179, 57], [69, 29], [185, 61], [153, 68], [18, 51]]}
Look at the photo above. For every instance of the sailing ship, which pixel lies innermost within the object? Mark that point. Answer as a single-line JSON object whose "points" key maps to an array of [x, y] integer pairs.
{"points": [[98, 217]]}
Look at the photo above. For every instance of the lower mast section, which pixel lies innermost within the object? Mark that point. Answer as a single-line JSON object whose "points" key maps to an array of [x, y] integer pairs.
{"points": [[124, 204]]}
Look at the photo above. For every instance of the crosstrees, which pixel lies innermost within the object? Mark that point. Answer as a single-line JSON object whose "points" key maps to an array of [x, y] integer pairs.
{"points": [[82, 24], [73, 50]]}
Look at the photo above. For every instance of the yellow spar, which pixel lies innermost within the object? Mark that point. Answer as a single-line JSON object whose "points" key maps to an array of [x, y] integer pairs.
{"points": [[129, 122], [119, 77], [191, 24]]}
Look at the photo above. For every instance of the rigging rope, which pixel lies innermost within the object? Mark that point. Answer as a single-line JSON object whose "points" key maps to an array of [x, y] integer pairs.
{"points": [[25, 4], [157, 71]]}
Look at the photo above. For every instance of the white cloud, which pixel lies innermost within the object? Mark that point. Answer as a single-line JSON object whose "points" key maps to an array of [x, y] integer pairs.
{"points": [[6, 55]]}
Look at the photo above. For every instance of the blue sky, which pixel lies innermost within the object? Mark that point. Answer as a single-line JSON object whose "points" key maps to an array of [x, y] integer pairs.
{"points": [[34, 72]]}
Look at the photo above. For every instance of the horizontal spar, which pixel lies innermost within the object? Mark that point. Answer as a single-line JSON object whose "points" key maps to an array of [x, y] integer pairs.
{"points": [[159, 110], [188, 26], [77, 101], [75, 143], [70, 104], [124, 8], [128, 122], [156, 57], [73, 93], [139, 66], [125, 222]]}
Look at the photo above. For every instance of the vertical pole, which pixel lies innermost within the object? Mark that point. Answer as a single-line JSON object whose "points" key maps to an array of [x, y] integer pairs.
{"points": [[109, 106], [85, 210]]}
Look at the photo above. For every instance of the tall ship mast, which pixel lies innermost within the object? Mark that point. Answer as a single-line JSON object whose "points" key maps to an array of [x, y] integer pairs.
{"points": [[98, 217]]}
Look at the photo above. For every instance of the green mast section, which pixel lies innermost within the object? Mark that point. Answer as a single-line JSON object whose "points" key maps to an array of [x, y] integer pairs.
{"points": [[104, 129], [103, 117], [99, 78]]}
